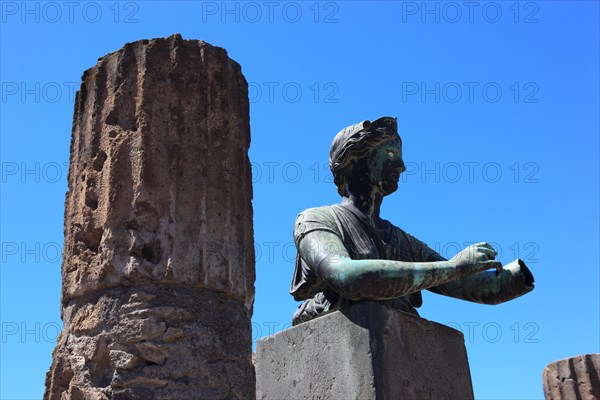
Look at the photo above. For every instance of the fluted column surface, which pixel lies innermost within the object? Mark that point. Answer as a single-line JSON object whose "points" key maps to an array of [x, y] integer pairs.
{"points": [[158, 259]]}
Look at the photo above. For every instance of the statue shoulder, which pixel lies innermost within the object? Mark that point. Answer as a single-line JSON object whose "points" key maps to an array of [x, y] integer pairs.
{"points": [[398, 231], [318, 212], [315, 218]]}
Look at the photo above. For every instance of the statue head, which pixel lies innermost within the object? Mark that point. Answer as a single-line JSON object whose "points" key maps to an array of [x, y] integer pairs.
{"points": [[367, 155]]}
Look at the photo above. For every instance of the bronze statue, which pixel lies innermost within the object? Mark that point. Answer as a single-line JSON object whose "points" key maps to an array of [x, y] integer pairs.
{"points": [[347, 253]]}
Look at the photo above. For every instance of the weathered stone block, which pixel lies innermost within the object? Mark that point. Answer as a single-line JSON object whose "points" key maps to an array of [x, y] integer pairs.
{"points": [[573, 378], [367, 351]]}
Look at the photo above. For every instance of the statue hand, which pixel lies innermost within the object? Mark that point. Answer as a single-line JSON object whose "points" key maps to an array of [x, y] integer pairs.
{"points": [[476, 258]]}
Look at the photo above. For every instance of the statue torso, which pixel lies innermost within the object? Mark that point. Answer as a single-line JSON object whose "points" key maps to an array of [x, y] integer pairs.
{"points": [[361, 241]]}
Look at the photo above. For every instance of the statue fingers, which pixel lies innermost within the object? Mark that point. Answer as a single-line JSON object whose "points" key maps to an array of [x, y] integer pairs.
{"points": [[493, 264], [489, 252]]}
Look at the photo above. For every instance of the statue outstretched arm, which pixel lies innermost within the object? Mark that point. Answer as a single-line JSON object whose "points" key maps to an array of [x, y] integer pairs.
{"points": [[489, 287], [384, 279]]}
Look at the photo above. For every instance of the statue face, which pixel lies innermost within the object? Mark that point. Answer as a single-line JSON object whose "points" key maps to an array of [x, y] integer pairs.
{"points": [[385, 166]]}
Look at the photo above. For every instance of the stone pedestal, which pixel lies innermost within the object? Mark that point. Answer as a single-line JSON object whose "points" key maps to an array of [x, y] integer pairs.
{"points": [[367, 351], [158, 259], [573, 378]]}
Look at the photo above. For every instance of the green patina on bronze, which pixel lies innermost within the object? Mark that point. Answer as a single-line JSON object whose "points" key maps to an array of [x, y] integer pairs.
{"points": [[347, 253]]}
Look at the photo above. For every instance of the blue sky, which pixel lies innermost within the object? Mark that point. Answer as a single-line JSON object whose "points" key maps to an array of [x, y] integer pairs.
{"points": [[497, 105]]}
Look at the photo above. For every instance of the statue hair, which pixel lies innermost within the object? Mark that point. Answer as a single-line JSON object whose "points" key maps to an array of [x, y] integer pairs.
{"points": [[354, 144]]}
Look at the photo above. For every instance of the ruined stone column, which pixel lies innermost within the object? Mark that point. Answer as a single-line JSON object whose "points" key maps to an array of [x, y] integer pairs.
{"points": [[573, 378], [158, 260]]}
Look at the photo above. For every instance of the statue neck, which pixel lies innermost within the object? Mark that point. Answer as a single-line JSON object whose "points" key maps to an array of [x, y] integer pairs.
{"points": [[368, 203]]}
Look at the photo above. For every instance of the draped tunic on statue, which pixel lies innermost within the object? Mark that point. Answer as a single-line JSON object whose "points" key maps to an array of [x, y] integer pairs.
{"points": [[361, 241]]}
